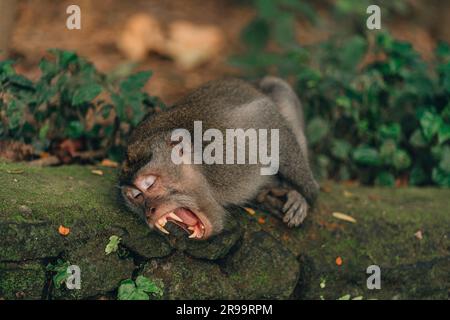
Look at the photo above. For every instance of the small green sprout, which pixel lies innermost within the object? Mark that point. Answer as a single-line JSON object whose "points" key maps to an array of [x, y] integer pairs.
{"points": [[141, 289], [113, 244]]}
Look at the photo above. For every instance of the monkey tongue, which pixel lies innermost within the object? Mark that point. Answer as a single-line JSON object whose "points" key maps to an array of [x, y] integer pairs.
{"points": [[187, 216]]}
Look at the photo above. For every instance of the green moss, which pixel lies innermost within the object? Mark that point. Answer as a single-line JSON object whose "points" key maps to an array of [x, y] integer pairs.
{"points": [[22, 281], [240, 263]]}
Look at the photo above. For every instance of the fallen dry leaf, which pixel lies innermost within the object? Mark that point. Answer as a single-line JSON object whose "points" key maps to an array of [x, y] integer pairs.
{"points": [[97, 172], [326, 188], [250, 211], [373, 197], [44, 154], [109, 163], [419, 235], [15, 171], [350, 183], [343, 216], [347, 194], [64, 231]]}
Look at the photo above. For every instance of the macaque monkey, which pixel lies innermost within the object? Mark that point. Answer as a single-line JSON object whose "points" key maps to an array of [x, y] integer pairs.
{"points": [[195, 196]]}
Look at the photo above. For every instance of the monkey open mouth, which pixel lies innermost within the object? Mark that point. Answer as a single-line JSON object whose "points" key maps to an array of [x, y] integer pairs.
{"points": [[185, 219]]}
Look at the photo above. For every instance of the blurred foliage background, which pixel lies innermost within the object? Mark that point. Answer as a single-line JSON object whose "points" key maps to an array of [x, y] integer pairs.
{"points": [[377, 106]]}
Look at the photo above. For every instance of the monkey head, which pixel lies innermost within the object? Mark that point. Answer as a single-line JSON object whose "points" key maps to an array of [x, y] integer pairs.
{"points": [[161, 191]]}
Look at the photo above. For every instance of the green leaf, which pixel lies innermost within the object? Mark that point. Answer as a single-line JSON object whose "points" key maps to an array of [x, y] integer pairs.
{"points": [[417, 176], [135, 82], [43, 132], [341, 149], [6, 68], [401, 160], [14, 113], [430, 123], [266, 8], [353, 51], [64, 57], [317, 129], [113, 244], [444, 133], [283, 29], [344, 102], [391, 131], [256, 34], [385, 179], [440, 177], [301, 7], [74, 130], [20, 80], [417, 139], [126, 290], [139, 294], [119, 103], [139, 290], [48, 69], [86, 93], [444, 164], [60, 272], [148, 286], [366, 156], [387, 151], [345, 297]]}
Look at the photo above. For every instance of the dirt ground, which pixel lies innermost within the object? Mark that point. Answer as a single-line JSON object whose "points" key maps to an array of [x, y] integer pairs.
{"points": [[40, 25]]}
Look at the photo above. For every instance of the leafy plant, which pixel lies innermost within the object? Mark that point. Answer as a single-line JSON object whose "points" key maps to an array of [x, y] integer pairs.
{"points": [[59, 270], [375, 110], [141, 289], [113, 244], [72, 100]]}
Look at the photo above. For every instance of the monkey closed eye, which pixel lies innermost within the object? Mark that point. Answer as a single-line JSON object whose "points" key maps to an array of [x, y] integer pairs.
{"points": [[144, 183]]}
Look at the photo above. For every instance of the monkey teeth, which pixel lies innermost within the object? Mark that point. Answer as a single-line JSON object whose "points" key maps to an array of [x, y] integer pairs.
{"points": [[161, 228], [198, 230], [174, 217]]}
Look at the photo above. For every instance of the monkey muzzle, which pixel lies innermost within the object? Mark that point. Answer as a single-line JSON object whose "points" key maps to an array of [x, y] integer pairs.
{"points": [[192, 223]]}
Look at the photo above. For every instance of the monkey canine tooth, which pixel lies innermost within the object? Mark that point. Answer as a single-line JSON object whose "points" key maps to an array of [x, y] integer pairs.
{"points": [[162, 221], [174, 216], [197, 231], [194, 234], [161, 228]]}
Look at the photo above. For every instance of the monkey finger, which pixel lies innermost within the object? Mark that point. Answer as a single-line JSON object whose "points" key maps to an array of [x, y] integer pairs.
{"points": [[289, 203], [291, 213], [300, 215], [279, 192]]}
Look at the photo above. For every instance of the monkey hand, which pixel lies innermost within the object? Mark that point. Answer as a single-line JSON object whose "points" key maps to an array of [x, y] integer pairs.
{"points": [[295, 209]]}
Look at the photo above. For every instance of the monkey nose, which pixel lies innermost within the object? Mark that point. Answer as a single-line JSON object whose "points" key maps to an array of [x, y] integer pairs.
{"points": [[150, 211]]}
